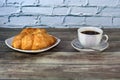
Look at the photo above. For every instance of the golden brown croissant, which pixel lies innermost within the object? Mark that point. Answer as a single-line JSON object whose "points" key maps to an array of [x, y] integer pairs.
{"points": [[33, 39]]}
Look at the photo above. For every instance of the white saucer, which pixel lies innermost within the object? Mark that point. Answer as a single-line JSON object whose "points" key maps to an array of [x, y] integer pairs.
{"points": [[8, 42], [77, 45]]}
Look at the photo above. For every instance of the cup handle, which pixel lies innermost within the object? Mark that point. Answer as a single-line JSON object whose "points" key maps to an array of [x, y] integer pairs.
{"points": [[106, 37]]}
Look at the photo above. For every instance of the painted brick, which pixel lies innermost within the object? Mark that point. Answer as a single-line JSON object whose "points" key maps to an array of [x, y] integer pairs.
{"points": [[97, 21], [74, 26], [37, 10], [110, 12], [2, 2], [53, 2], [75, 2], [8, 10], [70, 20], [116, 22], [60, 11], [18, 2], [103, 2], [51, 20], [22, 20], [84, 10], [3, 20]]}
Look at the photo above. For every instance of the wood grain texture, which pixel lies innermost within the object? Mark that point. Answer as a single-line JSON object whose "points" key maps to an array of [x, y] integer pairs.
{"points": [[62, 62]]}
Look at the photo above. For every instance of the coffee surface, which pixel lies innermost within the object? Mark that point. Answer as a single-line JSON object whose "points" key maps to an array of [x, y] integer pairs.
{"points": [[90, 32]]}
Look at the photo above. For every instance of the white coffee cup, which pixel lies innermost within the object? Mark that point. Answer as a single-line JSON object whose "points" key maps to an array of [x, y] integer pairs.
{"points": [[90, 36]]}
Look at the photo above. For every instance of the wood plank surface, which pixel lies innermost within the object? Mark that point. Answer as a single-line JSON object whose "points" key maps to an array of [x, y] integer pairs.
{"points": [[62, 62]]}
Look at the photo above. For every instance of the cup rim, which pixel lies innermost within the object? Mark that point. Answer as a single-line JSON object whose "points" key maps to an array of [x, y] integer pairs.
{"points": [[81, 29]]}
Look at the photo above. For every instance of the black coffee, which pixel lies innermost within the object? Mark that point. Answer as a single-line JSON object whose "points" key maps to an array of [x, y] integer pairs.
{"points": [[90, 32]]}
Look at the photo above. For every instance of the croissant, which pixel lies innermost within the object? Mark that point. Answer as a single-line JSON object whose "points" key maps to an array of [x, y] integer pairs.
{"points": [[33, 39]]}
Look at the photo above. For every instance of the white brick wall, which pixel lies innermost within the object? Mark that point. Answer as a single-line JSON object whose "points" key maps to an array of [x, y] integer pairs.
{"points": [[7, 10], [51, 2], [19, 2], [106, 21], [60, 13], [84, 10], [3, 20], [70, 20], [22, 20], [111, 12], [116, 21], [75, 2], [52, 20], [37, 10], [103, 2]]}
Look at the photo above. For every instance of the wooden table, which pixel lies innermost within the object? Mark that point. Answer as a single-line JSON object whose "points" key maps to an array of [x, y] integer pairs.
{"points": [[62, 62]]}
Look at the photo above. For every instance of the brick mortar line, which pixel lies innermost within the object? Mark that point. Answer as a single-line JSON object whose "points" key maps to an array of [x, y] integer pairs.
{"points": [[60, 6], [53, 26], [25, 15]]}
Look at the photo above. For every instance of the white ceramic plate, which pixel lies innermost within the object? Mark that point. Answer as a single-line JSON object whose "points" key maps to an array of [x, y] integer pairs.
{"points": [[8, 42], [77, 45]]}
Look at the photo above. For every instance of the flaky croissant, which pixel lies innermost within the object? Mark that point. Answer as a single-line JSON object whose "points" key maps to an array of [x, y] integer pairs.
{"points": [[33, 39]]}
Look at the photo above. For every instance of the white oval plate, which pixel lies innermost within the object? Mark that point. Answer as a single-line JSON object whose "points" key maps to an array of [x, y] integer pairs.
{"points": [[8, 42], [77, 45]]}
